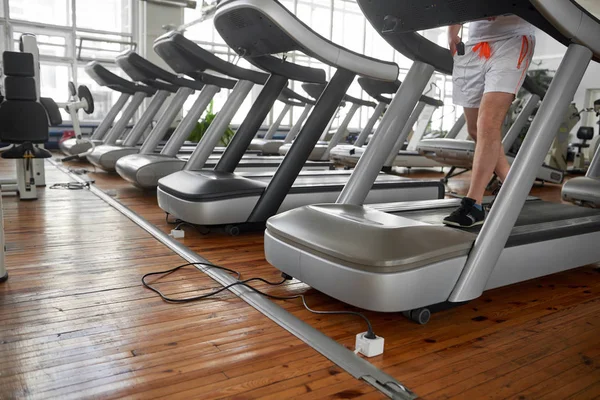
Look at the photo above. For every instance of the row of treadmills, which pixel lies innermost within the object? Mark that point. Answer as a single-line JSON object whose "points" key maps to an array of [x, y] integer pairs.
{"points": [[370, 239]]}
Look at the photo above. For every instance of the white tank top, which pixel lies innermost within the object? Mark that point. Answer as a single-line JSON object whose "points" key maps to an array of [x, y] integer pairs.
{"points": [[500, 28]]}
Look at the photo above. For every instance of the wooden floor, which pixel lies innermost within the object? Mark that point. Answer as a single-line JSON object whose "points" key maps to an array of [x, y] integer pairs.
{"points": [[75, 321]]}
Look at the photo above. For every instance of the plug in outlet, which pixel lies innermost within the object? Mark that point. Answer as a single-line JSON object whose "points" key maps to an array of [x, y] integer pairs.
{"points": [[369, 347], [177, 234]]}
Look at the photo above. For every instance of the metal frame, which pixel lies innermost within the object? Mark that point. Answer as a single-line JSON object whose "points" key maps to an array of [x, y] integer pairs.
{"points": [[497, 227], [396, 117], [277, 123], [211, 137], [3, 272], [119, 127], [165, 120], [188, 123], [368, 128], [412, 120]]}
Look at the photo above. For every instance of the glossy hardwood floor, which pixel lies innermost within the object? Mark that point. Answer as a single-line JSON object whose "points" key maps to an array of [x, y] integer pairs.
{"points": [[75, 321]]}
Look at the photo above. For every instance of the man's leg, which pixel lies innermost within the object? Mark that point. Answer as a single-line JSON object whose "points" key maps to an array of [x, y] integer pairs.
{"points": [[492, 111], [471, 116], [502, 167]]}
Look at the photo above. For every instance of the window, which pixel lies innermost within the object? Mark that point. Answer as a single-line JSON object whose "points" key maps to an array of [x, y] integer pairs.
{"points": [[52, 12], [70, 33], [105, 15], [342, 22]]}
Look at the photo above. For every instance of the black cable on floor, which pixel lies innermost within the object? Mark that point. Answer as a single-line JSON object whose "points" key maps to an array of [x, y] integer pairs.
{"points": [[71, 186], [370, 334]]}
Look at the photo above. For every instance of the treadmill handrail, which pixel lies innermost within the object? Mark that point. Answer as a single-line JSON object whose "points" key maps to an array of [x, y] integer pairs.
{"points": [[573, 21], [199, 59], [104, 77], [309, 41], [146, 70]]}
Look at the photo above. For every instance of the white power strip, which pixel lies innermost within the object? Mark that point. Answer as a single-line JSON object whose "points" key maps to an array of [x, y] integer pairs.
{"points": [[369, 347]]}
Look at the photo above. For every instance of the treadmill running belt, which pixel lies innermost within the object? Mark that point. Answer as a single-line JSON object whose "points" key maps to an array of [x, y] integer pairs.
{"points": [[538, 221]]}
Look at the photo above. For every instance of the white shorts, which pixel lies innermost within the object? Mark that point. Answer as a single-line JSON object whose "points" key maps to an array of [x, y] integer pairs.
{"points": [[503, 72]]}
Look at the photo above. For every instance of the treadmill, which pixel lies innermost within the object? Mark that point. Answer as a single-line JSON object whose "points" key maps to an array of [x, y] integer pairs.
{"points": [[342, 153], [222, 197], [585, 190], [268, 145], [460, 153], [399, 256], [399, 156], [323, 148], [141, 70], [106, 131], [187, 58]]}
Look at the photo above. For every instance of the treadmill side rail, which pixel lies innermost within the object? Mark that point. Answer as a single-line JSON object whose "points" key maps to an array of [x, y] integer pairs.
{"points": [[498, 225]]}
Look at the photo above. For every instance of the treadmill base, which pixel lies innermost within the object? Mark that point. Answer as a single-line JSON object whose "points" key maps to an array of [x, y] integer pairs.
{"points": [[106, 156]]}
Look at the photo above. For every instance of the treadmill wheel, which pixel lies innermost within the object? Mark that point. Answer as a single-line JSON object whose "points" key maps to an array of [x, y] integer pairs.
{"points": [[232, 230], [4, 278], [420, 315]]}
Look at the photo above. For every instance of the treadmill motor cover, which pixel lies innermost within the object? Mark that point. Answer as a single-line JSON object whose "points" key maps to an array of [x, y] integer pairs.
{"points": [[389, 243]]}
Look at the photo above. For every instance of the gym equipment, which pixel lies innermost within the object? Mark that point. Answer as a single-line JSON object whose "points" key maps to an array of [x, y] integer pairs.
{"points": [[107, 132], [186, 57], [165, 83], [584, 133], [586, 190], [221, 197], [80, 99], [399, 155], [557, 157], [270, 146], [342, 153], [323, 148], [459, 153], [399, 257], [23, 120], [71, 147], [25, 117]]}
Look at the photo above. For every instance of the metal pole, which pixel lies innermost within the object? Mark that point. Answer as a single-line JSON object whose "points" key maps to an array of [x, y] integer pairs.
{"points": [[497, 227], [293, 162], [247, 130], [165, 121], [298, 125], [190, 120], [594, 168], [414, 117], [146, 119], [457, 127], [329, 125], [520, 122], [107, 122], [214, 133], [277, 123], [341, 131], [364, 134], [394, 120], [117, 131], [3, 272]]}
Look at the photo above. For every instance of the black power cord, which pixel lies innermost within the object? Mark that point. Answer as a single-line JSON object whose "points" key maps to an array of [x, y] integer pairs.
{"points": [[71, 186], [369, 335]]}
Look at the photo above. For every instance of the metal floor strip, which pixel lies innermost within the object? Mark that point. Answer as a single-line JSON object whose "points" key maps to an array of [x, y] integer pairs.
{"points": [[338, 354]]}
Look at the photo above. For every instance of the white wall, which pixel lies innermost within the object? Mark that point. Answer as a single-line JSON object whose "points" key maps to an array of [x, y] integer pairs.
{"points": [[548, 55], [152, 18]]}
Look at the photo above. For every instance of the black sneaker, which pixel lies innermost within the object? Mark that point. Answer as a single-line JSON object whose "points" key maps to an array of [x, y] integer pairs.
{"points": [[465, 216]]}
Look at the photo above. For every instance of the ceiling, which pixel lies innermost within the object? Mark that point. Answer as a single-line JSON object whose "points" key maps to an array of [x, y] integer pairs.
{"points": [[592, 6]]}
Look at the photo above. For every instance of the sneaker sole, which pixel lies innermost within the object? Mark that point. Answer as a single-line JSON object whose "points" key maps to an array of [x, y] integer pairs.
{"points": [[457, 225]]}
